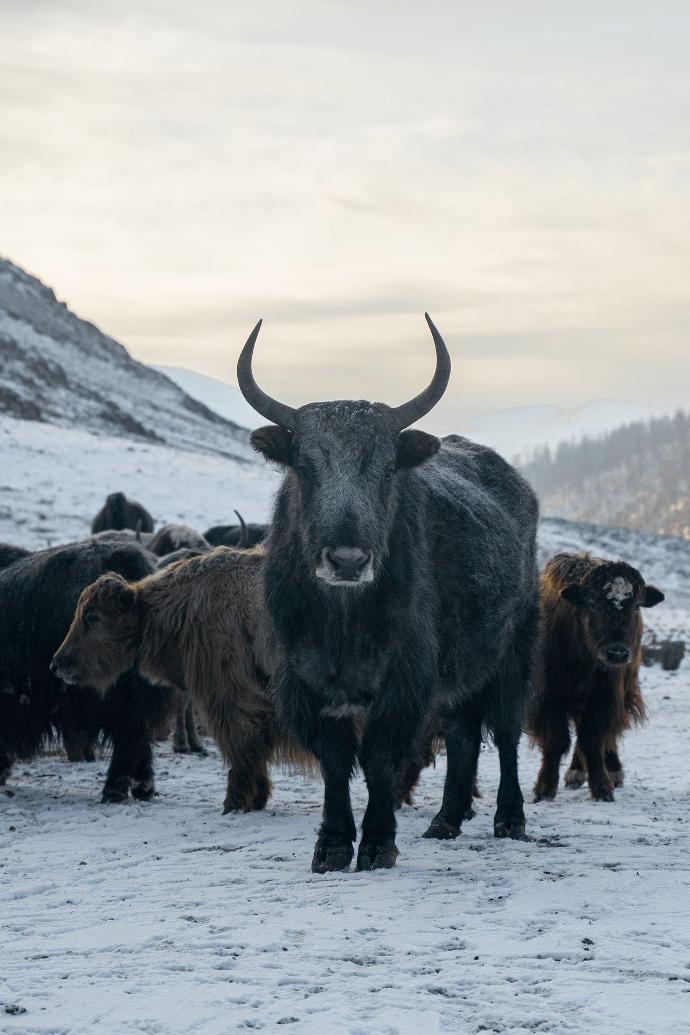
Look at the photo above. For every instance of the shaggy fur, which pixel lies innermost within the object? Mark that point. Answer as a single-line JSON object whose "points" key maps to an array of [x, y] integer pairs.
{"points": [[10, 553], [197, 624], [588, 668], [119, 512], [38, 595], [445, 628]]}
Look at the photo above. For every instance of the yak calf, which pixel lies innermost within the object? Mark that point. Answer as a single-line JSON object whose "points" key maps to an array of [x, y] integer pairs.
{"points": [[196, 625], [588, 670]]}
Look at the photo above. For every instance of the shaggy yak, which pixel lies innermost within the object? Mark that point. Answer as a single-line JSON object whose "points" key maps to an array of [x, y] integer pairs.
{"points": [[119, 512], [195, 625], [241, 536], [38, 595], [400, 585], [588, 669]]}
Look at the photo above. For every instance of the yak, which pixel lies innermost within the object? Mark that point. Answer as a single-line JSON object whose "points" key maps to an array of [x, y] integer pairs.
{"points": [[196, 624], [171, 538], [119, 512], [38, 595], [241, 536], [587, 670], [400, 583]]}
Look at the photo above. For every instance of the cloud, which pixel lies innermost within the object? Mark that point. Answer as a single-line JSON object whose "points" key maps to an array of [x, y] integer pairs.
{"points": [[175, 173]]}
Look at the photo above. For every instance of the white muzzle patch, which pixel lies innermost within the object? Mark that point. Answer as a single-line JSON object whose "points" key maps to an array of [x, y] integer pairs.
{"points": [[618, 591]]}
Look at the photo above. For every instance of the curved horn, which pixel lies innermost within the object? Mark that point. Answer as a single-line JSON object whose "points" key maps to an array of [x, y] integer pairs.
{"points": [[418, 407], [277, 412], [243, 540]]}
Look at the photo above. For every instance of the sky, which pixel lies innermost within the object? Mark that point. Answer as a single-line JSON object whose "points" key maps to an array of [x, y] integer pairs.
{"points": [[520, 170]]}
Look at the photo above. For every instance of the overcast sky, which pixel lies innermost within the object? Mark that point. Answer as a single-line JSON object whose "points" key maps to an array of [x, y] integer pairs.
{"points": [[522, 170]]}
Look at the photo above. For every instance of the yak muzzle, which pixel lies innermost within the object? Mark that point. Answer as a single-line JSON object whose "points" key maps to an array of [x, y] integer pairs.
{"points": [[63, 669], [616, 654], [345, 566]]}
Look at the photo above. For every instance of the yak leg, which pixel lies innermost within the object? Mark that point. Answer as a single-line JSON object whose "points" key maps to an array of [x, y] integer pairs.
{"points": [[249, 785], [181, 745], [333, 741], [612, 761], [554, 741], [5, 767], [463, 733], [592, 733], [577, 770], [391, 745], [509, 820], [195, 745]]}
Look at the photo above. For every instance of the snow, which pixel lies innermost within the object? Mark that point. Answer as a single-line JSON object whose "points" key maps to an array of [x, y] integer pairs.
{"points": [[168, 917], [171, 918], [225, 399]]}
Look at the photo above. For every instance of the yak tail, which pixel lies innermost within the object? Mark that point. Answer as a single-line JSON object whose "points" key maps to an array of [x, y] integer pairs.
{"points": [[243, 540]]}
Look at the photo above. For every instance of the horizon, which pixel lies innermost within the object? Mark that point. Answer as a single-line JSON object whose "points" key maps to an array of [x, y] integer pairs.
{"points": [[523, 176]]}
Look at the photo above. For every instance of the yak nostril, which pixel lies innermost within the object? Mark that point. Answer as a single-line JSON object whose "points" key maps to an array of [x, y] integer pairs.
{"points": [[347, 562], [618, 652]]}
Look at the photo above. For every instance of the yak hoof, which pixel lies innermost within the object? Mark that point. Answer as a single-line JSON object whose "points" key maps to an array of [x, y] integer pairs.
{"points": [[515, 831], [331, 856], [144, 791], [377, 855], [605, 794], [469, 813], [180, 748], [441, 830], [574, 778], [616, 777], [114, 796], [199, 749]]}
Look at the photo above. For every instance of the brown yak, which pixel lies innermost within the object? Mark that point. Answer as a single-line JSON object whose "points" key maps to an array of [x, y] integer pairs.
{"points": [[195, 625], [587, 672]]}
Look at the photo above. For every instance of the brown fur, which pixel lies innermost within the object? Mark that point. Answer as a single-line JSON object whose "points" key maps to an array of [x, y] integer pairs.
{"points": [[573, 683], [196, 625]]}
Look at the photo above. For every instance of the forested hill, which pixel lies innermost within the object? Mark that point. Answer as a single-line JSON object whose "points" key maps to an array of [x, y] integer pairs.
{"points": [[637, 476]]}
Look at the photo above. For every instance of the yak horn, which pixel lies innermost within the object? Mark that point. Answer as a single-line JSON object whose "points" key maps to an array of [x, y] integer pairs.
{"points": [[283, 415], [243, 540], [277, 412], [418, 407]]}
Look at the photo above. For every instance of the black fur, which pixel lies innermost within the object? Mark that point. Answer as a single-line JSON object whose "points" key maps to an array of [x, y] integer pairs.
{"points": [[10, 553], [38, 595], [119, 512], [445, 632], [230, 535]]}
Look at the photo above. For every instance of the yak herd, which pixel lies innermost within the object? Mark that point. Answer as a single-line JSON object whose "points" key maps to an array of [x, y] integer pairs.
{"points": [[392, 606]]}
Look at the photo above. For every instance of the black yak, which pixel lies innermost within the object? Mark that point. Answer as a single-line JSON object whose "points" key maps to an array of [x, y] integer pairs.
{"points": [[400, 584]]}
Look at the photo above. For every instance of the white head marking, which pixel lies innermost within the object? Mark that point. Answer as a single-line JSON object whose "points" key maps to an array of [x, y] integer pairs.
{"points": [[618, 591]]}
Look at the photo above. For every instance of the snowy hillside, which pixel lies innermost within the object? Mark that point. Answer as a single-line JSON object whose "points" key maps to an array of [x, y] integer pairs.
{"points": [[57, 368], [222, 398]]}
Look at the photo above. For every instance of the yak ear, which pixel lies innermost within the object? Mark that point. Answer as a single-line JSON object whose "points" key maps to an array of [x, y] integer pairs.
{"points": [[274, 443], [651, 596], [574, 594], [414, 447], [117, 590]]}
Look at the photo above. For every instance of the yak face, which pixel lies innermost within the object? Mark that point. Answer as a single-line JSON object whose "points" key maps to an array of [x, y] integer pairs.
{"points": [[344, 463], [102, 641], [609, 599]]}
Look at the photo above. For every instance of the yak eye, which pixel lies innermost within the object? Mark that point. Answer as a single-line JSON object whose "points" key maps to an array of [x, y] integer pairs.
{"points": [[90, 618], [389, 472], [303, 470]]}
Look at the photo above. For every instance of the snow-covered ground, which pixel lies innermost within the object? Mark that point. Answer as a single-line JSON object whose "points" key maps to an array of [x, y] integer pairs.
{"points": [[53, 480], [170, 918]]}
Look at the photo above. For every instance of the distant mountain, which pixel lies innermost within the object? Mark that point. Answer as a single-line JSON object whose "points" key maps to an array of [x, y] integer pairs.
{"points": [[636, 477], [514, 433], [60, 369], [220, 397]]}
